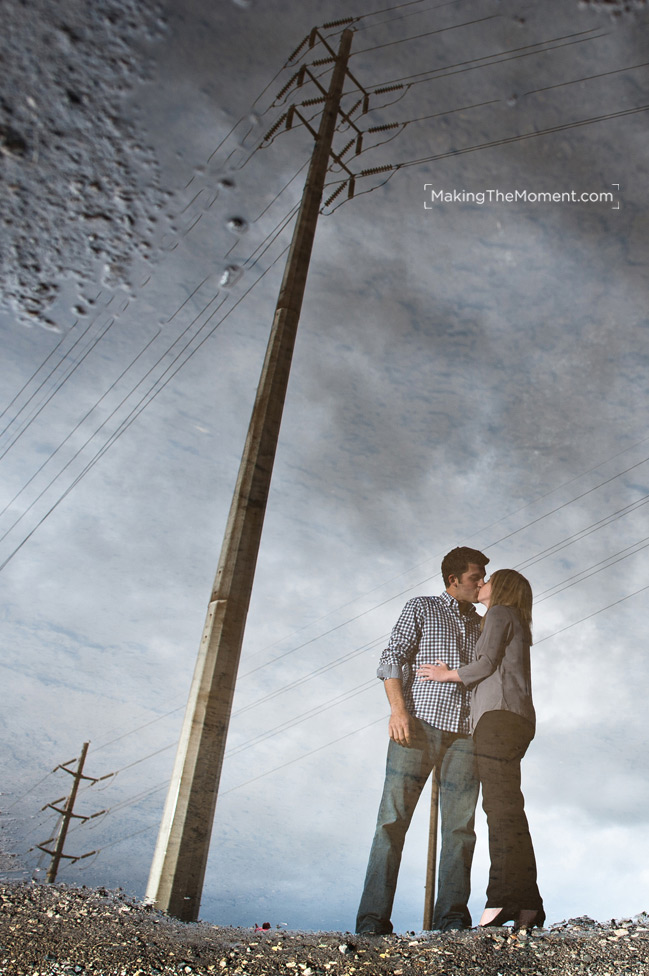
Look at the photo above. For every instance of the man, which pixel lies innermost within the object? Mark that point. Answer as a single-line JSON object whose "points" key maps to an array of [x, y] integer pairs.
{"points": [[429, 727]]}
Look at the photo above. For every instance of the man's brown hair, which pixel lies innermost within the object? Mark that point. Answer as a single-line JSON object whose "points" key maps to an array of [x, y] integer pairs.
{"points": [[457, 561]]}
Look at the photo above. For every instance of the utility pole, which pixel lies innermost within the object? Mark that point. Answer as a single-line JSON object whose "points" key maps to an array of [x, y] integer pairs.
{"points": [[67, 813], [179, 862], [431, 863]]}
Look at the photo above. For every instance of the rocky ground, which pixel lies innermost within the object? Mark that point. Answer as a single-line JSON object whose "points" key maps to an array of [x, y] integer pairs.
{"points": [[49, 929]]}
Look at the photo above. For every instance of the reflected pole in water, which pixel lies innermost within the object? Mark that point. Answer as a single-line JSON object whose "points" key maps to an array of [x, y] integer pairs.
{"points": [[179, 862]]}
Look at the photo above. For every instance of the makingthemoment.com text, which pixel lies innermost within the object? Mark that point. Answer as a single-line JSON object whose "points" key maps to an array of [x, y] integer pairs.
{"points": [[513, 196]]}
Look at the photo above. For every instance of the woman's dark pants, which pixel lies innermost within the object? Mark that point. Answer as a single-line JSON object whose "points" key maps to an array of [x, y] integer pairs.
{"points": [[501, 739]]}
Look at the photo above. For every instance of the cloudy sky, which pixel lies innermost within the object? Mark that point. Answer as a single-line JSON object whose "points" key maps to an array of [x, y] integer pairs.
{"points": [[466, 372]]}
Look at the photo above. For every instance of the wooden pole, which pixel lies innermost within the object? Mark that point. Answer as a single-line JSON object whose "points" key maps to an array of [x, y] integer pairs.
{"points": [[431, 865], [179, 862]]}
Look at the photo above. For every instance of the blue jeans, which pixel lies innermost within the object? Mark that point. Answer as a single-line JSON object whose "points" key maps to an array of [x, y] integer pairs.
{"points": [[406, 774]]}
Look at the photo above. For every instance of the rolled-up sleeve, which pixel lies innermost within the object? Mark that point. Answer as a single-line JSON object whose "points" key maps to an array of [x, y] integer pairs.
{"points": [[403, 645], [490, 648]]}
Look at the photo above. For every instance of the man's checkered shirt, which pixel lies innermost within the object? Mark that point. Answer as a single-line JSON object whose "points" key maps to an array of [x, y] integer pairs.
{"points": [[430, 629]]}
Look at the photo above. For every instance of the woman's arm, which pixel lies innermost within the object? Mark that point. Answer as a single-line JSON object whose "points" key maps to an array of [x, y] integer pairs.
{"points": [[496, 634], [437, 672]]}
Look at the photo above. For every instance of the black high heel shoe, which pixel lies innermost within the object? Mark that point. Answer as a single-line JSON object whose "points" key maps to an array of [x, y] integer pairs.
{"points": [[529, 918]]}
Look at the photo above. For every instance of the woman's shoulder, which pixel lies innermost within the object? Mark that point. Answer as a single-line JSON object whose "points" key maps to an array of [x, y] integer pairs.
{"points": [[502, 612], [502, 616]]}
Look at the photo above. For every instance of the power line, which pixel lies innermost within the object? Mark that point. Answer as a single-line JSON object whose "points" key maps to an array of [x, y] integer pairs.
{"points": [[559, 587], [37, 371], [433, 74], [91, 346], [392, 20], [416, 37], [365, 647], [409, 588], [73, 431], [527, 135], [497, 101], [595, 613], [593, 570], [582, 533], [306, 755]]}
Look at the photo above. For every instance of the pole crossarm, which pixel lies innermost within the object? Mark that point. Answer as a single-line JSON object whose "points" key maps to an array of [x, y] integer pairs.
{"points": [[179, 862], [73, 772], [72, 858], [75, 816], [310, 38]]}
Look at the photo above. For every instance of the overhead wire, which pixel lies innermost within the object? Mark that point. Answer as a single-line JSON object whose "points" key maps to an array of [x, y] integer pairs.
{"points": [[508, 140], [488, 60], [594, 613], [383, 716], [28, 791], [392, 20], [412, 586], [583, 533], [88, 413], [317, 672], [73, 368], [590, 571], [256, 740], [306, 755], [416, 37], [37, 371], [497, 101], [303, 717]]}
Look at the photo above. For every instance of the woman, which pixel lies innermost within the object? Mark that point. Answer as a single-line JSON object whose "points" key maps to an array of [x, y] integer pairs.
{"points": [[503, 722]]}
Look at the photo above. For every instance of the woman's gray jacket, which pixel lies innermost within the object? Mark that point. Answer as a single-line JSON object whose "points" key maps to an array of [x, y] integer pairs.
{"points": [[500, 677]]}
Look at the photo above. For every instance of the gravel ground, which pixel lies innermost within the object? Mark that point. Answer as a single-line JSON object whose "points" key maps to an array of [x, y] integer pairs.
{"points": [[52, 929]]}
